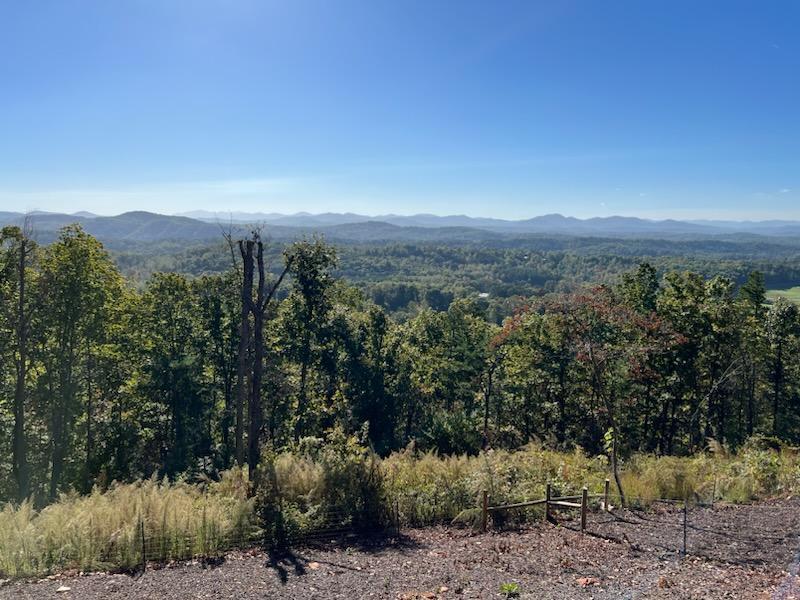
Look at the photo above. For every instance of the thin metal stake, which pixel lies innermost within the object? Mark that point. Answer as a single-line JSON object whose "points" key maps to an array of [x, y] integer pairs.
{"points": [[685, 515], [144, 550], [485, 511]]}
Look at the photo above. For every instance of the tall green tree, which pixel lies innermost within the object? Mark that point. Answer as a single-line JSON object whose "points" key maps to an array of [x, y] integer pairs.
{"points": [[781, 331], [79, 285], [310, 300], [217, 297], [17, 252]]}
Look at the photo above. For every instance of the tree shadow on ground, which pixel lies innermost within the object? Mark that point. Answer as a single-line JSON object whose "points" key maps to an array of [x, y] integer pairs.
{"points": [[374, 541], [284, 560], [296, 560]]}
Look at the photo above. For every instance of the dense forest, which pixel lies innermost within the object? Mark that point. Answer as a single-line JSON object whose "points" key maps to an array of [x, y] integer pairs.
{"points": [[406, 276], [460, 348]]}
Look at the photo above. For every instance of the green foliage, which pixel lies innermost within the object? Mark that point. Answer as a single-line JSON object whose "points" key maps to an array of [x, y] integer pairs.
{"points": [[325, 484], [510, 590], [101, 381]]}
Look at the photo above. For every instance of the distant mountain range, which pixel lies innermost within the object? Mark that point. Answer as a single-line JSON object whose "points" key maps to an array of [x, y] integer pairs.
{"points": [[552, 223], [135, 226], [140, 226]]}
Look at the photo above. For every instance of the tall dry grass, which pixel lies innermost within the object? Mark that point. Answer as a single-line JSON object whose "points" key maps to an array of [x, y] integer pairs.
{"points": [[339, 483], [430, 488], [103, 530]]}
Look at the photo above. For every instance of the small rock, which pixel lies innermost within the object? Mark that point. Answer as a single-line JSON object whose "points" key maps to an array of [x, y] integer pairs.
{"points": [[63, 588]]}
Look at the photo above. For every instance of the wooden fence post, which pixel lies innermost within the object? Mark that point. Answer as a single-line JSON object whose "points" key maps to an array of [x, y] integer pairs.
{"points": [[485, 511], [584, 507], [605, 495], [547, 503]]}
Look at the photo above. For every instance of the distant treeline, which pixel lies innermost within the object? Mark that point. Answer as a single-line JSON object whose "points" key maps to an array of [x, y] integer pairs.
{"points": [[404, 277]]}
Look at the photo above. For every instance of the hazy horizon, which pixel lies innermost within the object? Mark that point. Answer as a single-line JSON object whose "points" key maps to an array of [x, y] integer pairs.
{"points": [[240, 215]]}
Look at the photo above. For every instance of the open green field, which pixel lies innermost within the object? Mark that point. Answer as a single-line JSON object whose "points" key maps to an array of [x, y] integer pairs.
{"points": [[792, 294]]}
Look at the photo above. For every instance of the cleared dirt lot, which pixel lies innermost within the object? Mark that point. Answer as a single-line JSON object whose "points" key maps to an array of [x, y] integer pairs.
{"points": [[734, 552]]}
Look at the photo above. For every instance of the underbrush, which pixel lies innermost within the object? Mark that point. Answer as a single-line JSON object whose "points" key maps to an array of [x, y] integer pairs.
{"points": [[761, 468], [429, 488], [325, 485]]}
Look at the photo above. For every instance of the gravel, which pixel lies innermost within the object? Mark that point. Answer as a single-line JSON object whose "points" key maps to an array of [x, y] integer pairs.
{"points": [[734, 552]]}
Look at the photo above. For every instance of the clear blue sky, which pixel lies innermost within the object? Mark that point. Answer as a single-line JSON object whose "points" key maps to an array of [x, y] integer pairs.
{"points": [[508, 109]]}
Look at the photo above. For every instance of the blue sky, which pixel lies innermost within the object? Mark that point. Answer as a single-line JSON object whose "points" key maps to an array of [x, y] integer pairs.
{"points": [[509, 109]]}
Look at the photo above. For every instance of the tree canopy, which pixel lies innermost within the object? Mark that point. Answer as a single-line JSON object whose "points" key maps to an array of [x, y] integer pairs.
{"points": [[102, 379]]}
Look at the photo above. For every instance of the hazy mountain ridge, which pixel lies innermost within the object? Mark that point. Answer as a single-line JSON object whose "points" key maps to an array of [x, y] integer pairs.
{"points": [[147, 226], [550, 223]]}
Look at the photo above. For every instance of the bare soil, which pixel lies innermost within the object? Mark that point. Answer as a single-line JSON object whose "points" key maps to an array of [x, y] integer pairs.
{"points": [[733, 552]]}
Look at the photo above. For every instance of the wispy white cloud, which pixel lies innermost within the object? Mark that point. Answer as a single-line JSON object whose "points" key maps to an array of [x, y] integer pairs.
{"points": [[772, 194], [160, 197]]}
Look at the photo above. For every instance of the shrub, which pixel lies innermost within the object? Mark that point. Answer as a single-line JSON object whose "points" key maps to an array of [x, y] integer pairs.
{"points": [[324, 484]]}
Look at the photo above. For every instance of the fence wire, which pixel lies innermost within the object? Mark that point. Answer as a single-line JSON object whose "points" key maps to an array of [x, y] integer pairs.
{"points": [[663, 522]]}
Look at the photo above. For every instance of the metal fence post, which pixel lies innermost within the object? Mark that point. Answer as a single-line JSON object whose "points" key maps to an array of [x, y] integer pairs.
{"points": [[685, 518], [605, 495], [584, 507], [485, 511]]}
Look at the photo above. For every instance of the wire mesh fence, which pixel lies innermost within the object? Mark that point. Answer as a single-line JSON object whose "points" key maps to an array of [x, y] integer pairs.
{"points": [[726, 532], [732, 533]]}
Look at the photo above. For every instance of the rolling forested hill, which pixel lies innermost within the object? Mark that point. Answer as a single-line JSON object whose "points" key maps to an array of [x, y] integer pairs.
{"points": [[404, 263]]}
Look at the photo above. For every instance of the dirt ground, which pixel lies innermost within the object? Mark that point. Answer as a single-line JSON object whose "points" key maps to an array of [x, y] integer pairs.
{"points": [[733, 552]]}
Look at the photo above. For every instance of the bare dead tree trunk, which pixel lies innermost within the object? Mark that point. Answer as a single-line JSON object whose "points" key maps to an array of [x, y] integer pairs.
{"points": [[255, 411], [257, 308], [246, 250]]}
